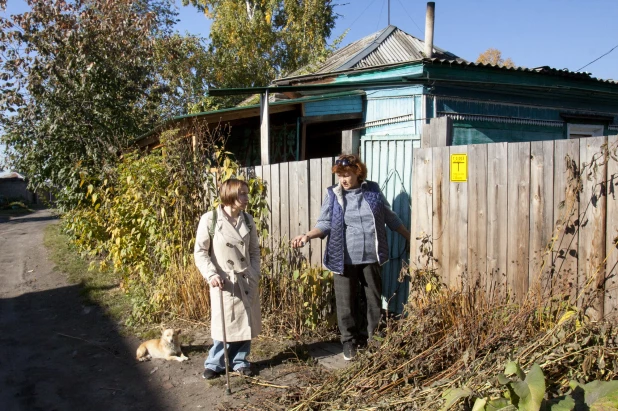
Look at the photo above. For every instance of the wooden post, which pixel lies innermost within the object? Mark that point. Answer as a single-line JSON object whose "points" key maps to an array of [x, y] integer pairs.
{"points": [[264, 129], [350, 142], [438, 133]]}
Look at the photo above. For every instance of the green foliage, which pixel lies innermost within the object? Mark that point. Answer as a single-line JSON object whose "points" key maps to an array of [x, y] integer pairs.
{"points": [[253, 42], [140, 220], [81, 79], [526, 392]]}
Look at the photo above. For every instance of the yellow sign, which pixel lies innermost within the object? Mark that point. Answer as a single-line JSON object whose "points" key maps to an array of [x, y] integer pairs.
{"points": [[459, 168]]}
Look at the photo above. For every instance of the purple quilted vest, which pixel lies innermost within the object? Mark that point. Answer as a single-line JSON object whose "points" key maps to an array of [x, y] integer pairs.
{"points": [[335, 243]]}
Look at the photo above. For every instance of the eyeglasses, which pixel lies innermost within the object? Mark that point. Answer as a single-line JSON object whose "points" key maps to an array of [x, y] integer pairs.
{"points": [[344, 162]]}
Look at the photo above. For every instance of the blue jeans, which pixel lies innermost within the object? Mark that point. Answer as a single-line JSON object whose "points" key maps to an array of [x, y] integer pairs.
{"points": [[237, 354]]}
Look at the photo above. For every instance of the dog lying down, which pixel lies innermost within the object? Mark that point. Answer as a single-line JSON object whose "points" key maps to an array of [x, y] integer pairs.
{"points": [[167, 347]]}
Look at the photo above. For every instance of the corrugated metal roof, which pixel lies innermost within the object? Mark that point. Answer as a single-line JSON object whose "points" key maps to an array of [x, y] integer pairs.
{"points": [[11, 175], [540, 70], [388, 46]]}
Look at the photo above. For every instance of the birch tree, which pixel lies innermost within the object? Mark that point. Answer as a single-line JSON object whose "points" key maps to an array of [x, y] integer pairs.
{"points": [[252, 42]]}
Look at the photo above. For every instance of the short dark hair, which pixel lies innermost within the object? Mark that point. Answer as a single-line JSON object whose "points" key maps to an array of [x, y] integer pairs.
{"points": [[352, 164], [228, 191]]}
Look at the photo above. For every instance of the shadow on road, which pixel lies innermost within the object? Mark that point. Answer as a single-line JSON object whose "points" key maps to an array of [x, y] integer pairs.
{"points": [[59, 355], [19, 219]]}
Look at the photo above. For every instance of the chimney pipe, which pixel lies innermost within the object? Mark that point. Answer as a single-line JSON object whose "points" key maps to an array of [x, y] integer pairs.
{"points": [[429, 21]]}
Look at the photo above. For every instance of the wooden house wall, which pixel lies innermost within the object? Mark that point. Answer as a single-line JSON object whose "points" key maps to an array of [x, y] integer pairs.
{"points": [[479, 122]]}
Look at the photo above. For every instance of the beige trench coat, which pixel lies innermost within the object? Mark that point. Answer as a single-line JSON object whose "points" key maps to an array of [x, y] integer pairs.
{"points": [[236, 258]]}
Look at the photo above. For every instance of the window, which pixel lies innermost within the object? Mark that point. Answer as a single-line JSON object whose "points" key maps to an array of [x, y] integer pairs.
{"points": [[584, 130]]}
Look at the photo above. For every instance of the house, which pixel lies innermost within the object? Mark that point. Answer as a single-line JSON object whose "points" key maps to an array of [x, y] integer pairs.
{"points": [[14, 187], [389, 92]]}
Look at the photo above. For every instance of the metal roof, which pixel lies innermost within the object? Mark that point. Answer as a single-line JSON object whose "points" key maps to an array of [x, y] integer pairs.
{"points": [[388, 46], [541, 70]]}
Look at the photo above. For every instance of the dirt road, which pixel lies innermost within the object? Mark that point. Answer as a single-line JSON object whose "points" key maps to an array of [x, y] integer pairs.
{"points": [[57, 354]]}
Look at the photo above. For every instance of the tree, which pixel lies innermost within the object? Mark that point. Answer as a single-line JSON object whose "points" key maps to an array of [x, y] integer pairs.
{"points": [[494, 57], [254, 41], [79, 79]]}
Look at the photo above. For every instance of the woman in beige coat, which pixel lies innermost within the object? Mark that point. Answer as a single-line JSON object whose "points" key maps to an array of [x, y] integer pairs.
{"points": [[230, 260]]}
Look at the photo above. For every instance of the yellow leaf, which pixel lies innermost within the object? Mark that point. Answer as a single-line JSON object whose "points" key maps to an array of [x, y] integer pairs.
{"points": [[428, 287], [566, 316]]}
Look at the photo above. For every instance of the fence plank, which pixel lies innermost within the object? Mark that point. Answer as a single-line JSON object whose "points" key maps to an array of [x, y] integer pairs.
{"points": [[316, 194], [440, 200], [293, 193], [269, 200], [477, 215], [611, 243], [422, 205], [458, 232], [591, 247], [275, 210], [566, 210], [284, 175], [302, 173], [518, 219], [541, 212], [497, 197]]}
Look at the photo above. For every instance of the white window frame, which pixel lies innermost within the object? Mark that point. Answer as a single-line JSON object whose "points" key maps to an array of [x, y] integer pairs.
{"points": [[584, 130]]}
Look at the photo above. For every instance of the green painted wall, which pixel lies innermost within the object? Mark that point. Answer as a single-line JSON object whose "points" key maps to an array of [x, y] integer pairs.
{"points": [[482, 132]]}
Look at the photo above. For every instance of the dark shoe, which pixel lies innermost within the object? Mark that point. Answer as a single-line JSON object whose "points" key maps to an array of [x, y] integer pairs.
{"points": [[209, 374], [246, 371], [349, 351]]}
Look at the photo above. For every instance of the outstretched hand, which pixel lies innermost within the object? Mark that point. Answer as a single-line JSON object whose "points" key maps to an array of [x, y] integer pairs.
{"points": [[300, 241]]}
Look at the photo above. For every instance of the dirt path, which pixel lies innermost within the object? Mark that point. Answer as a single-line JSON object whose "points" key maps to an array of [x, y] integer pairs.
{"points": [[58, 354]]}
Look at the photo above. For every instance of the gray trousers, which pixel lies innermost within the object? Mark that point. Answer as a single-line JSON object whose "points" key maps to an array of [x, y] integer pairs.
{"points": [[358, 292]]}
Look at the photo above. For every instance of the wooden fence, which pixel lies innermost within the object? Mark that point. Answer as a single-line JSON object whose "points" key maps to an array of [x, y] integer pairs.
{"points": [[493, 229], [295, 191]]}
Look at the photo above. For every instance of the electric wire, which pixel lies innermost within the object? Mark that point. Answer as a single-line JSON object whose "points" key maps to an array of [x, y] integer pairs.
{"points": [[361, 15], [599, 58], [406, 11], [380, 16]]}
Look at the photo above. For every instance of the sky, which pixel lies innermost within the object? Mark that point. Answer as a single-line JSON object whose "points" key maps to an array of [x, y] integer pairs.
{"points": [[557, 33], [563, 34]]}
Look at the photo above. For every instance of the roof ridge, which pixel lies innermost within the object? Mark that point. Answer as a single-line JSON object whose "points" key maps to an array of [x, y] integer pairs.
{"points": [[380, 37]]}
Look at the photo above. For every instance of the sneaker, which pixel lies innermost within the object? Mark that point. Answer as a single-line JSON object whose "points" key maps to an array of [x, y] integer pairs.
{"points": [[209, 374], [246, 371], [349, 351]]}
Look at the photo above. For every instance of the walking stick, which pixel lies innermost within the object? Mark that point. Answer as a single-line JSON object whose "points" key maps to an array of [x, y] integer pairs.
{"points": [[227, 360]]}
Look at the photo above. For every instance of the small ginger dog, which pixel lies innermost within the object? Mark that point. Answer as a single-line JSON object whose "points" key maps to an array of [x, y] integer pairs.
{"points": [[167, 347]]}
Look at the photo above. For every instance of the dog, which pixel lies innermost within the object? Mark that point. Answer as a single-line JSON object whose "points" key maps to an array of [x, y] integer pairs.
{"points": [[167, 347]]}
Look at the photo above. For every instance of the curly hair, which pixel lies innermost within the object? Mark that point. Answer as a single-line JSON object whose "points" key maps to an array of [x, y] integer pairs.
{"points": [[351, 163]]}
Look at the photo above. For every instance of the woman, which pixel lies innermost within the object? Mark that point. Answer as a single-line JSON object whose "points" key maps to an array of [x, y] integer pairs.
{"points": [[227, 254], [353, 216]]}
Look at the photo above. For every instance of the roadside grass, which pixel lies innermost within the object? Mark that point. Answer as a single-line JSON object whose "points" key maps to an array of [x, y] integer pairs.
{"points": [[97, 287]]}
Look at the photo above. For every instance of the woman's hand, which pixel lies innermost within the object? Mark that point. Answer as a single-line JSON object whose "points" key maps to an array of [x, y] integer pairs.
{"points": [[300, 241], [216, 281]]}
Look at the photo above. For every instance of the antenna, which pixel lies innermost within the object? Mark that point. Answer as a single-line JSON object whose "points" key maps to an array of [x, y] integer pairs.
{"points": [[389, 12]]}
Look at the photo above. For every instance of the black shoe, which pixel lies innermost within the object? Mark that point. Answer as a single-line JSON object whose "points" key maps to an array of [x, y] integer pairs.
{"points": [[349, 351], [246, 371], [209, 374]]}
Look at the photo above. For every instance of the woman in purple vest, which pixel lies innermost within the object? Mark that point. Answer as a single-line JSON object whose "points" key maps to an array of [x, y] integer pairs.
{"points": [[354, 214]]}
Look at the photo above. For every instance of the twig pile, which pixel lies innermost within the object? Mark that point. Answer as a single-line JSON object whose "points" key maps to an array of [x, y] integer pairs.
{"points": [[448, 342]]}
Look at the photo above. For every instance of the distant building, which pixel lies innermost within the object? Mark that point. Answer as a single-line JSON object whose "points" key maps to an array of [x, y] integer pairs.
{"points": [[14, 187]]}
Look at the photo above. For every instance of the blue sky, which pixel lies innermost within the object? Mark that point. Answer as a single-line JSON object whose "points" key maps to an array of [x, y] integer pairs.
{"points": [[557, 33]]}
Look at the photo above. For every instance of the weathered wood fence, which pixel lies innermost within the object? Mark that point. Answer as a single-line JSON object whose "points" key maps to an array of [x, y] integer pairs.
{"points": [[494, 229], [295, 191]]}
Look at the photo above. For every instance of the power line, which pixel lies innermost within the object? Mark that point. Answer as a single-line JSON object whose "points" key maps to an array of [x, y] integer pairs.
{"points": [[599, 58], [380, 17], [404, 9], [363, 12]]}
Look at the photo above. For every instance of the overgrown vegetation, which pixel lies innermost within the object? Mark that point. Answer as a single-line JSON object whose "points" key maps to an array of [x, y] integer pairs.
{"points": [[139, 222], [451, 346]]}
